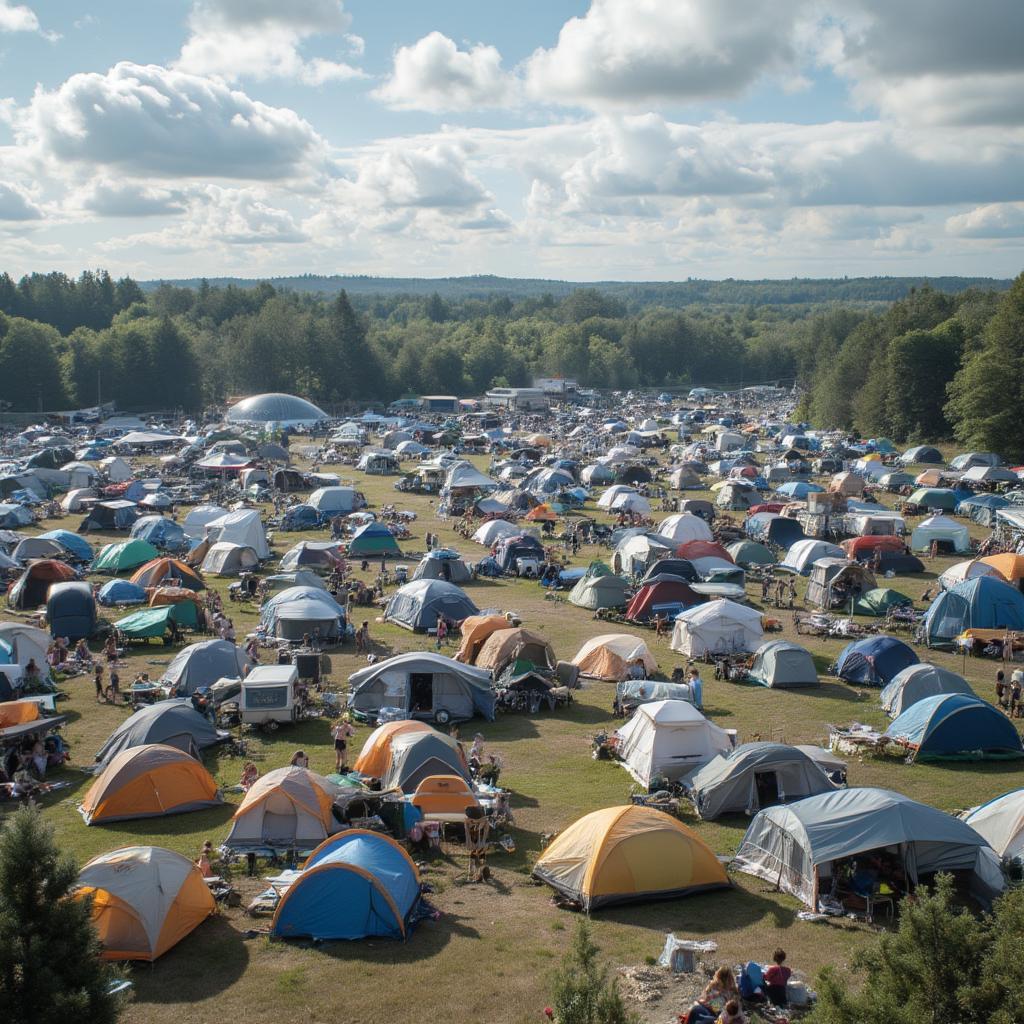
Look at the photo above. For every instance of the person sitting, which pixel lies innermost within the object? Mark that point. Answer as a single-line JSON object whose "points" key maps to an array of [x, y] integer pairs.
{"points": [[250, 773], [719, 991], [299, 759], [637, 669], [776, 978], [82, 653]]}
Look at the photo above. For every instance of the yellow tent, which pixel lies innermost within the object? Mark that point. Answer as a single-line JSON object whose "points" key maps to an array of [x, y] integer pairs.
{"points": [[1009, 565], [148, 781], [375, 757], [626, 854], [144, 900], [18, 712], [475, 630]]}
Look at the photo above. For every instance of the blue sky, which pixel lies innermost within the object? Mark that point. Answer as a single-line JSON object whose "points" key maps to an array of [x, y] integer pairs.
{"points": [[635, 139]]}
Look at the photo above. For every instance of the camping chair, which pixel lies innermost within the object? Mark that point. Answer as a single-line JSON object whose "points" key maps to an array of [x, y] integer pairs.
{"points": [[567, 674]]}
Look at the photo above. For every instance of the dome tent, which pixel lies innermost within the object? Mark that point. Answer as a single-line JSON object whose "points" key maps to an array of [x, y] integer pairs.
{"points": [[276, 408], [873, 661], [957, 725], [1001, 823], [202, 664], [375, 758], [416, 756], [983, 602], [144, 900], [608, 656], [918, 682], [599, 588], [147, 782], [353, 886], [628, 854], [779, 663], [71, 610], [124, 556], [174, 722], [443, 565], [795, 847], [417, 605], [752, 775]]}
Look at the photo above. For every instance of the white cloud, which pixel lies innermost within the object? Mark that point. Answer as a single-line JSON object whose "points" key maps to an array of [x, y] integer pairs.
{"points": [[994, 220], [17, 18], [110, 198], [260, 39], [434, 74], [148, 120], [17, 205], [625, 52]]}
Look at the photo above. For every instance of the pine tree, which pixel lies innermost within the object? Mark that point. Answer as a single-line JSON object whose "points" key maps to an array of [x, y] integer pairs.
{"points": [[50, 969], [582, 992]]}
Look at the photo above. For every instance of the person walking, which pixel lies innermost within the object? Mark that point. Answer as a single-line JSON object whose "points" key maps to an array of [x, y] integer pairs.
{"points": [[341, 734]]}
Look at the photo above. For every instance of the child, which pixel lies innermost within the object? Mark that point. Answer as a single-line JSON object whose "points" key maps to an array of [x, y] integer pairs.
{"points": [[777, 977], [732, 1014], [205, 858]]}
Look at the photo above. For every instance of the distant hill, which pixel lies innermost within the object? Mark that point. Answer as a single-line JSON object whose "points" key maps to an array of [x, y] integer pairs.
{"points": [[795, 291]]}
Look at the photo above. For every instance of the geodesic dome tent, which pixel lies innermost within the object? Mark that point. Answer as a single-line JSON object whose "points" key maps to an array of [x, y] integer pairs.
{"points": [[277, 408]]}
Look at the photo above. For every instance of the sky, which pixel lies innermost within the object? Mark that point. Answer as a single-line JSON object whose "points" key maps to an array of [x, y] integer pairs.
{"points": [[609, 139]]}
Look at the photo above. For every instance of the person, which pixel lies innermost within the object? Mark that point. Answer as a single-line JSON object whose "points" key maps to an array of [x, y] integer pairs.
{"points": [[98, 681], [110, 649], [82, 653], [252, 648], [360, 640], [442, 631], [1001, 689], [732, 1013], [366, 635], [697, 688], [660, 625], [341, 734], [33, 677], [114, 689], [205, 858], [720, 989], [637, 669], [1016, 683], [299, 759], [476, 753], [777, 977]]}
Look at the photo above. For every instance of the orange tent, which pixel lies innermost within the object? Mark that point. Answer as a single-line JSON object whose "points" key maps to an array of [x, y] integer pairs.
{"points": [[375, 757], [152, 574], [172, 595], [475, 631], [144, 900], [542, 513], [18, 712], [1010, 565]]}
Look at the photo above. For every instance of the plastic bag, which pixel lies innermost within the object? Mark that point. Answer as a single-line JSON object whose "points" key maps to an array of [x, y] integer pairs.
{"points": [[673, 955]]}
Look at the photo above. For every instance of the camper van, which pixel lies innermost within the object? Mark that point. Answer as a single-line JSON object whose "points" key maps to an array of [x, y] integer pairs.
{"points": [[268, 696]]}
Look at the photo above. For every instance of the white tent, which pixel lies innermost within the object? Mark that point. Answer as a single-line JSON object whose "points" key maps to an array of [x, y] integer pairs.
{"points": [[967, 570], [669, 739], [227, 559], [243, 527], [1001, 823], [684, 527], [72, 501], [942, 529], [116, 469], [804, 553], [718, 627], [334, 500], [196, 521], [632, 503], [613, 492], [490, 533]]}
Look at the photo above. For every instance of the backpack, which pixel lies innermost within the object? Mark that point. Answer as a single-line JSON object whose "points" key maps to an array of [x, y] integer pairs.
{"points": [[751, 981]]}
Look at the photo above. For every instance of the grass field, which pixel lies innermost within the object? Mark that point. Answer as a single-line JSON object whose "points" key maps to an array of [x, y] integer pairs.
{"points": [[489, 955]]}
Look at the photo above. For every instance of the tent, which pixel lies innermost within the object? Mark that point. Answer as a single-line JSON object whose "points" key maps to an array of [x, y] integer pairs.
{"points": [[491, 532], [148, 782], [922, 453], [873, 661], [680, 567], [609, 656], [967, 570], [120, 592], [21, 643], [915, 683], [523, 545], [374, 540], [475, 631], [683, 527], [356, 885], [30, 589], [752, 776], [286, 809], [14, 516], [202, 664], [110, 515], [837, 582], [145, 900], [661, 595], [334, 501], [983, 602], [737, 494], [628, 854], [880, 601], [797, 847], [1001, 823], [425, 685], [173, 722], [77, 547], [718, 627], [443, 565], [195, 522], [315, 615], [1009, 565], [156, 623], [161, 532], [71, 610], [241, 527], [375, 758], [506, 646], [315, 555], [948, 533], [780, 664], [37, 547], [747, 553], [599, 588], [417, 605], [416, 756], [161, 570], [804, 553], [124, 556], [227, 559], [849, 484], [956, 725], [667, 739]]}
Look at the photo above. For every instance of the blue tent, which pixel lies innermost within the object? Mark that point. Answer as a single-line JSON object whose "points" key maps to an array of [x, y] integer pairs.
{"points": [[121, 592], [13, 516], [873, 661], [799, 489], [353, 886], [982, 508], [78, 547], [984, 602], [301, 517], [71, 610], [956, 725], [161, 532]]}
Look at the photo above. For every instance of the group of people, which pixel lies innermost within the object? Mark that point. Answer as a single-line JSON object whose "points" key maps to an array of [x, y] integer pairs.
{"points": [[779, 592], [722, 1000], [1008, 694]]}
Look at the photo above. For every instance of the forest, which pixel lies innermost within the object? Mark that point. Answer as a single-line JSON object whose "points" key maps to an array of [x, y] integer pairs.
{"points": [[933, 365]]}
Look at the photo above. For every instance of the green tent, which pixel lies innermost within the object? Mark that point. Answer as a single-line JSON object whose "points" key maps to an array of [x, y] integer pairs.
{"points": [[878, 601], [124, 556], [155, 622], [749, 552], [373, 539]]}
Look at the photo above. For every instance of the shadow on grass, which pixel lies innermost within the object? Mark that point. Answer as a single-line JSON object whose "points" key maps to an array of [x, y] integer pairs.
{"points": [[833, 691], [213, 819]]}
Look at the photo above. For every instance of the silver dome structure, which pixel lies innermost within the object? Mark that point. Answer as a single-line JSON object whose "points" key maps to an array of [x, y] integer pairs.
{"points": [[286, 410]]}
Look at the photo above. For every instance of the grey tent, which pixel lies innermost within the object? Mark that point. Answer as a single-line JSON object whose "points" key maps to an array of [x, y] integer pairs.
{"points": [[425, 686], [416, 756], [202, 664], [836, 582], [443, 565], [799, 847], [781, 663], [173, 722], [417, 605], [752, 776], [599, 588], [916, 682]]}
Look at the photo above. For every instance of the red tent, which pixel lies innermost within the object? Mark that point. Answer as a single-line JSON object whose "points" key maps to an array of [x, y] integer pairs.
{"points": [[703, 549]]}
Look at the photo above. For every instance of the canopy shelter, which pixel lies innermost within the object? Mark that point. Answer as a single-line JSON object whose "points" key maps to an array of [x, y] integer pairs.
{"points": [[610, 656], [917, 682], [286, 809], [356, 885], [424, 685], [665, 740], [957, 725], [145, 900], [754, 776], [801, 847], [873, 661], [627, 855], [781, 664], [149, 782]]}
